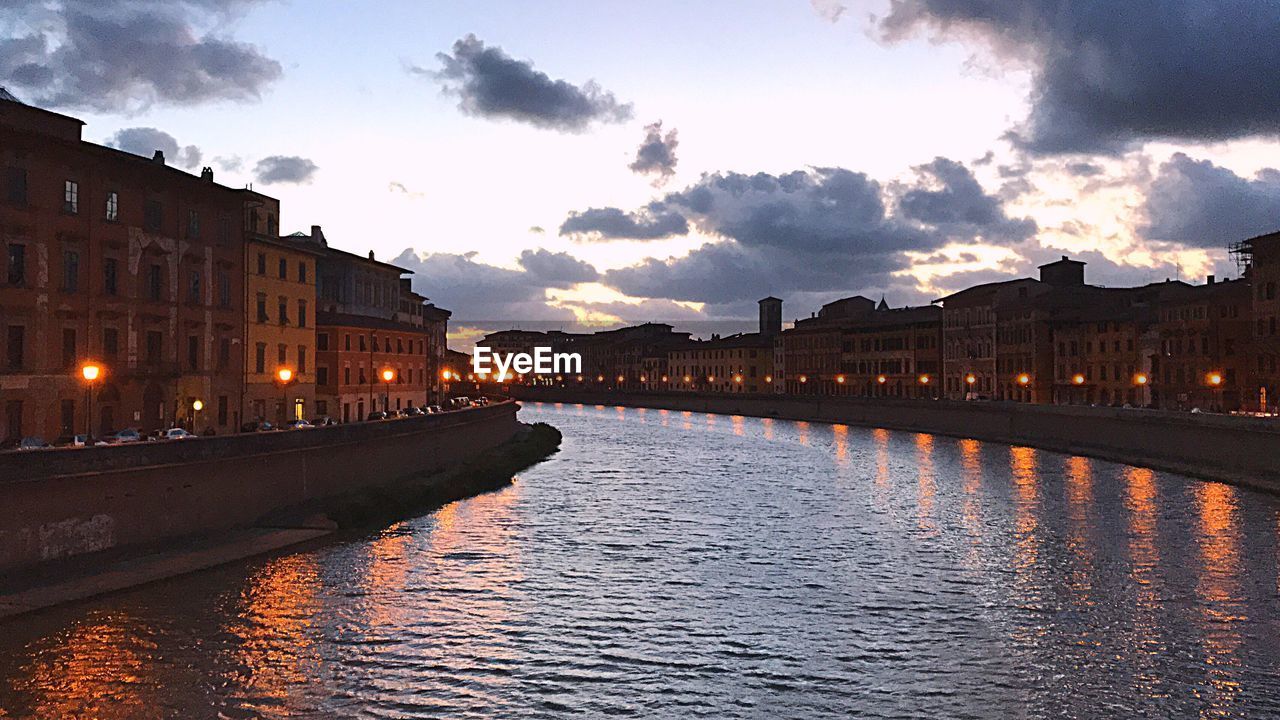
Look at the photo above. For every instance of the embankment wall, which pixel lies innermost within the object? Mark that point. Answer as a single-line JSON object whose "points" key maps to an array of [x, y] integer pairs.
{"points": [[59, 503]]}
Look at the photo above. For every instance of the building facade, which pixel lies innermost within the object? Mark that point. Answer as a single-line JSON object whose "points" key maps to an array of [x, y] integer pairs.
{"points": [[122, 262]]}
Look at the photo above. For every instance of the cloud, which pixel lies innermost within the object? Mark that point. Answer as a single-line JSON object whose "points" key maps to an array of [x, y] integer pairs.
{"points": [[1108, 75], [814, 231], [657, 154], [950, 199], [616, 224], [1200, 204], [399, 187], [829, 10], [557, 269], [123, 56], [145, 141], [478, 292], [284, 169], [491, 84], [229, 163]]}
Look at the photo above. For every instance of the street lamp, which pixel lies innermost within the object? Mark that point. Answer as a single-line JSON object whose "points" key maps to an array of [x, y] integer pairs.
{"points": [[1024, 379], [1078, 379], [196, 406], [387, 376], [90, 372], [1141, 379], [284, 378]]}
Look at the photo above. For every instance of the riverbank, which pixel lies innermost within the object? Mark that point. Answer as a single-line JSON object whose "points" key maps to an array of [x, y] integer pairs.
{"points": [[1236, 450], [88, 576]]}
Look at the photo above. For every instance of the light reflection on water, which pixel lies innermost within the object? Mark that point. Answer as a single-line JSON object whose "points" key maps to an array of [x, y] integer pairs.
{"points": [[672, 564]]}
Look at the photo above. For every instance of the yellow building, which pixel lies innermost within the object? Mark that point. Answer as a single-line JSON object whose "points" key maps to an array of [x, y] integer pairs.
{"points": [[280, 324]]}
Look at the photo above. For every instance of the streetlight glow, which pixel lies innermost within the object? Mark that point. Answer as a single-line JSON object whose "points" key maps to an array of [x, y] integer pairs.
{"points": [[1214, 378], [91, 371], [198, 405], [1140, 379], [1024, 379], [882, 379], [970, 378], [1078, 379], [840, 379], [924, 379], [284, 375], [388, 375]]}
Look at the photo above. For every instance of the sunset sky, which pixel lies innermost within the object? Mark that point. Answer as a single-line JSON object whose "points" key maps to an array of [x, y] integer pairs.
{"points": [[511, 153]]}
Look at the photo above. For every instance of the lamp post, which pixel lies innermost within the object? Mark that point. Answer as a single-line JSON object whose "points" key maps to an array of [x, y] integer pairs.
{"points": [[1214, 379], [196, 406], [284, 378], [90, 371], [387, 376]]}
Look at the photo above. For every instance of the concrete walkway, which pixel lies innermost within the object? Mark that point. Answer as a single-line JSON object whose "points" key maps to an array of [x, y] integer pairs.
{"points": [[91, 581]]}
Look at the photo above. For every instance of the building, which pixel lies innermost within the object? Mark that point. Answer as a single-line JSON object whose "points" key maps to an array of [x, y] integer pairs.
{"points": [[123, 262], [892, 353], [1206, 347], [740, 363], [280, 328], [1260, 257], [812, 349], [379, 345]]}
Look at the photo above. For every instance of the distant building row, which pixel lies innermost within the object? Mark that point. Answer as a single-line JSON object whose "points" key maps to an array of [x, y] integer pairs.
{"points": [[184, 294], [1052, 340]]}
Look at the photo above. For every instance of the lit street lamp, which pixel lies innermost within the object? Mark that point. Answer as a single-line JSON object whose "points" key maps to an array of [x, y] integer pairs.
{"points": [[90, 371], [284, 378], [387, 376]]}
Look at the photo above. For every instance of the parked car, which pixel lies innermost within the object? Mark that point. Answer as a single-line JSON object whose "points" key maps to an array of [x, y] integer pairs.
{"points": [[33, 443], [377, 415], [72, 441], [412, 411], [434, 410], [177, 434], [481, 401], [298, 425], [128, 435], [257, 426], [325, 421], [459, 402]]}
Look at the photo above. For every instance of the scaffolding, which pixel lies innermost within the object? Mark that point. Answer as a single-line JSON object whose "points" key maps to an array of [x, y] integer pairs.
{"points": [[1242, 253]]}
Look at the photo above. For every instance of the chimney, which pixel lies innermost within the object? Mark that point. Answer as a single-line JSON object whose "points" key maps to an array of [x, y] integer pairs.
{"points": [[370, 254], [317, 234], [1212, 279], [158, 157], [206, 174]]}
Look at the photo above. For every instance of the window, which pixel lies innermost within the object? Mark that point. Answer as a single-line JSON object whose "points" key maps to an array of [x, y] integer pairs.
{"points": [[302, 313], [70, 271], [224, 230], [155, 282], [282, 353], [262, 307], [302, 359], [193, 224], [346, 376], [152, 215], [16, 340], [110, 343], [17, 264], [68, 348], [224, 353], [193, 287], [322, 341], [260, 358], [155, 346], [283, 269], [71, 197], [113, 206], [271, 226], [302, 271], [362, 345], [110, 275], [193, 352], [262, 263], [283, 306], [224, 288], [222, 409], [68, 417], [13, 419], [346, 339], [17, 182], [322, 375]]}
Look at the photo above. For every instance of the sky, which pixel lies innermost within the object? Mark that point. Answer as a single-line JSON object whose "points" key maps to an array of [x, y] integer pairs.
{"points": [[596, 163]]}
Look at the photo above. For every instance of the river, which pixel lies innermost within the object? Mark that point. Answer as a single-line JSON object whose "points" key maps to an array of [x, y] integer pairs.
{"points": [[669, 564]]}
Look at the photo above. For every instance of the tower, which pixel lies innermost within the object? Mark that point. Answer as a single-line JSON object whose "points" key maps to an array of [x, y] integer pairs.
{"points": [[770, 316]]}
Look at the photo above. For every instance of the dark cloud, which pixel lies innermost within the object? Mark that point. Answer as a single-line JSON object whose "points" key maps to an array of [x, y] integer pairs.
{"points": [[127, 55], [477, 292], [616, 224], [491, 84], [818, 230], [145, 141], [557, 269], [1196, 203], [950, 199], [1084, 169], [284, 169], [657, 154], [1107, 75], [230, 163]]}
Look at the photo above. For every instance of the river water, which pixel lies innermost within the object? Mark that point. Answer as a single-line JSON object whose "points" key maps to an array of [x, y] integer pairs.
{"points": [[669, 564]]}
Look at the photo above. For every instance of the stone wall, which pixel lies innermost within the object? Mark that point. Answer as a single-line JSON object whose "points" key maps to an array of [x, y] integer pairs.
{"points": [[59, 503], [1238, 450]]}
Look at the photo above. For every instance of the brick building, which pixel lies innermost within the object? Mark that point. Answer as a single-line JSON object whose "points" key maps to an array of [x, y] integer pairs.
{"points": [[892, 353], [121, 260]]}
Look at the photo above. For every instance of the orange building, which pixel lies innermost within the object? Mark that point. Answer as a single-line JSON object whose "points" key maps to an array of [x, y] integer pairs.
{"points": [[123, 261]]}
